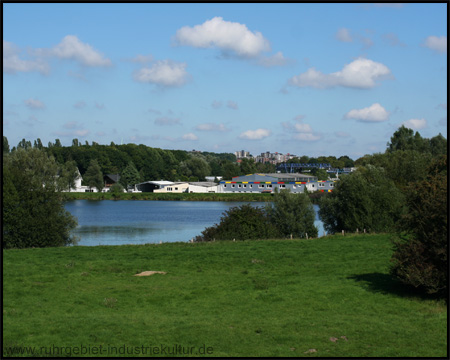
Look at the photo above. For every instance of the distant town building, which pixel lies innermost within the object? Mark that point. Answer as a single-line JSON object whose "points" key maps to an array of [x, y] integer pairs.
{"points": [[242, 154], [268, 183]]}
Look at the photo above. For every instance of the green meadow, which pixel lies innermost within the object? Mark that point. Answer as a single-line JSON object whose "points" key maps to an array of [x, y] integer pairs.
{"points": [[327, 297]]}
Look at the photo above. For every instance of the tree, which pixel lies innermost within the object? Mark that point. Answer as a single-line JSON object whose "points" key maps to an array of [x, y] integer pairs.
{"points": [[320, 173], [69, 174], [130, 176], [420, 254], [365, 199], [405, 139], [38, 144], [33, 213], [23, 144], [5, 145], [292, 214], [438, 145], [93, 176]]}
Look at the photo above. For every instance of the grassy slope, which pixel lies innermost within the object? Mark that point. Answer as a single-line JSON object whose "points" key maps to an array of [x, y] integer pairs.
{"points": [[261, 298]]}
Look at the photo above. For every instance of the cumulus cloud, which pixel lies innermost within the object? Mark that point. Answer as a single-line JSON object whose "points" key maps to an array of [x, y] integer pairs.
{"points": [[277, 59], [307, 137], [360, 73], [438, 44], [34, 104], [232, 105], [73, 49], [301, 131], [165, 73], [415, 124], [190, 136], [167, 121], [12, 63], [257, 134], [373, 113], [216, 104], [225, 35], [343, 34], [392, 39], [79, 105], [342, 134], [142, 59], [212, 127]]}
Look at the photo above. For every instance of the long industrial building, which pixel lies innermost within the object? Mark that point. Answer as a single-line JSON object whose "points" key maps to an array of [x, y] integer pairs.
{"points": [[267, 183]]}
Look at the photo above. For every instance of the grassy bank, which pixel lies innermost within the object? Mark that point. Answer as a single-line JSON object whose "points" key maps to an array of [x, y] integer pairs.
{"points": [[304, 298], [163, 196], [314, 197]]}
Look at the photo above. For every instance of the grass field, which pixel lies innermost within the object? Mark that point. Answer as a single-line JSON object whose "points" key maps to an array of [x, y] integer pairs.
{"points": [[328, 297]]}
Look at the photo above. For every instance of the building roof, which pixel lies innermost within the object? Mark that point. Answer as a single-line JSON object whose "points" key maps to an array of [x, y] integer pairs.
{"points": [[278, 177], [204, 183], [114, 177]]}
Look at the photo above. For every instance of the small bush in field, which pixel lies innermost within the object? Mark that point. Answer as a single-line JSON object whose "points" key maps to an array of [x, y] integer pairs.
{"points": [[241, 223]]}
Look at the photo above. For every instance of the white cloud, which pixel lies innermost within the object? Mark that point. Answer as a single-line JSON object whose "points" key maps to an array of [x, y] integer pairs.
{"points": [[163, 121], [257, 134], [360, 73], [435, 43], [34, 104], [342, 134], [373, 113], [216, 104], [73, 49], [277, 59], [225, 35], [142, 59], [164, 72], [415, 124], [212, 127], [79, 105], [343, 34], [190, 136], [307, 137], [393, 39], [303, 132], [12, 63], [232, 105]]}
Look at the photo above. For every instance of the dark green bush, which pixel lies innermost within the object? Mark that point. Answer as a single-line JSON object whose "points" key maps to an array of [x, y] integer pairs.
{"points": [[241, 223], [420, 255]]}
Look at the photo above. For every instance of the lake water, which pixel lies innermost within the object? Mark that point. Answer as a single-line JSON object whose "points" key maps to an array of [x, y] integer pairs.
{"points": [[119, 222]]}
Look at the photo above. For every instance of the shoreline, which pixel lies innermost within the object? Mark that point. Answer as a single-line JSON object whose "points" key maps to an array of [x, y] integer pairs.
{"points": [[68, 196]]}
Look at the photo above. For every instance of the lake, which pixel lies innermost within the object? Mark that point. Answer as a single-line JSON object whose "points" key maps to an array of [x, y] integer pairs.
{"points": [[120, 222]]}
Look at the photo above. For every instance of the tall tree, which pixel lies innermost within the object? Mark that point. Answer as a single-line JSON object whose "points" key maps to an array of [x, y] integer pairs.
{"points": [[293, 214], [69, 174], [33, 213], [93, 176], [130, 176]]}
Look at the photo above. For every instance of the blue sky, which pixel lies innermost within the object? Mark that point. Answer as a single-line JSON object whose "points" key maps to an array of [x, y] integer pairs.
{"points": [[306, 79]]}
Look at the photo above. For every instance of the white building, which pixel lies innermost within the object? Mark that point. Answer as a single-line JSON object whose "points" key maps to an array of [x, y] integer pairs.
{"points": [[203, 187]]}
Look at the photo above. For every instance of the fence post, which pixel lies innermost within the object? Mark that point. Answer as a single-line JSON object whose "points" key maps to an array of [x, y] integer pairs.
{"points": [[343, 233]]}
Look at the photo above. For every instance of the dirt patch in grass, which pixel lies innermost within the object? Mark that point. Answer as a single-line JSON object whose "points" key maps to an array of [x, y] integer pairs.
{"points": [[149, 273]]}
